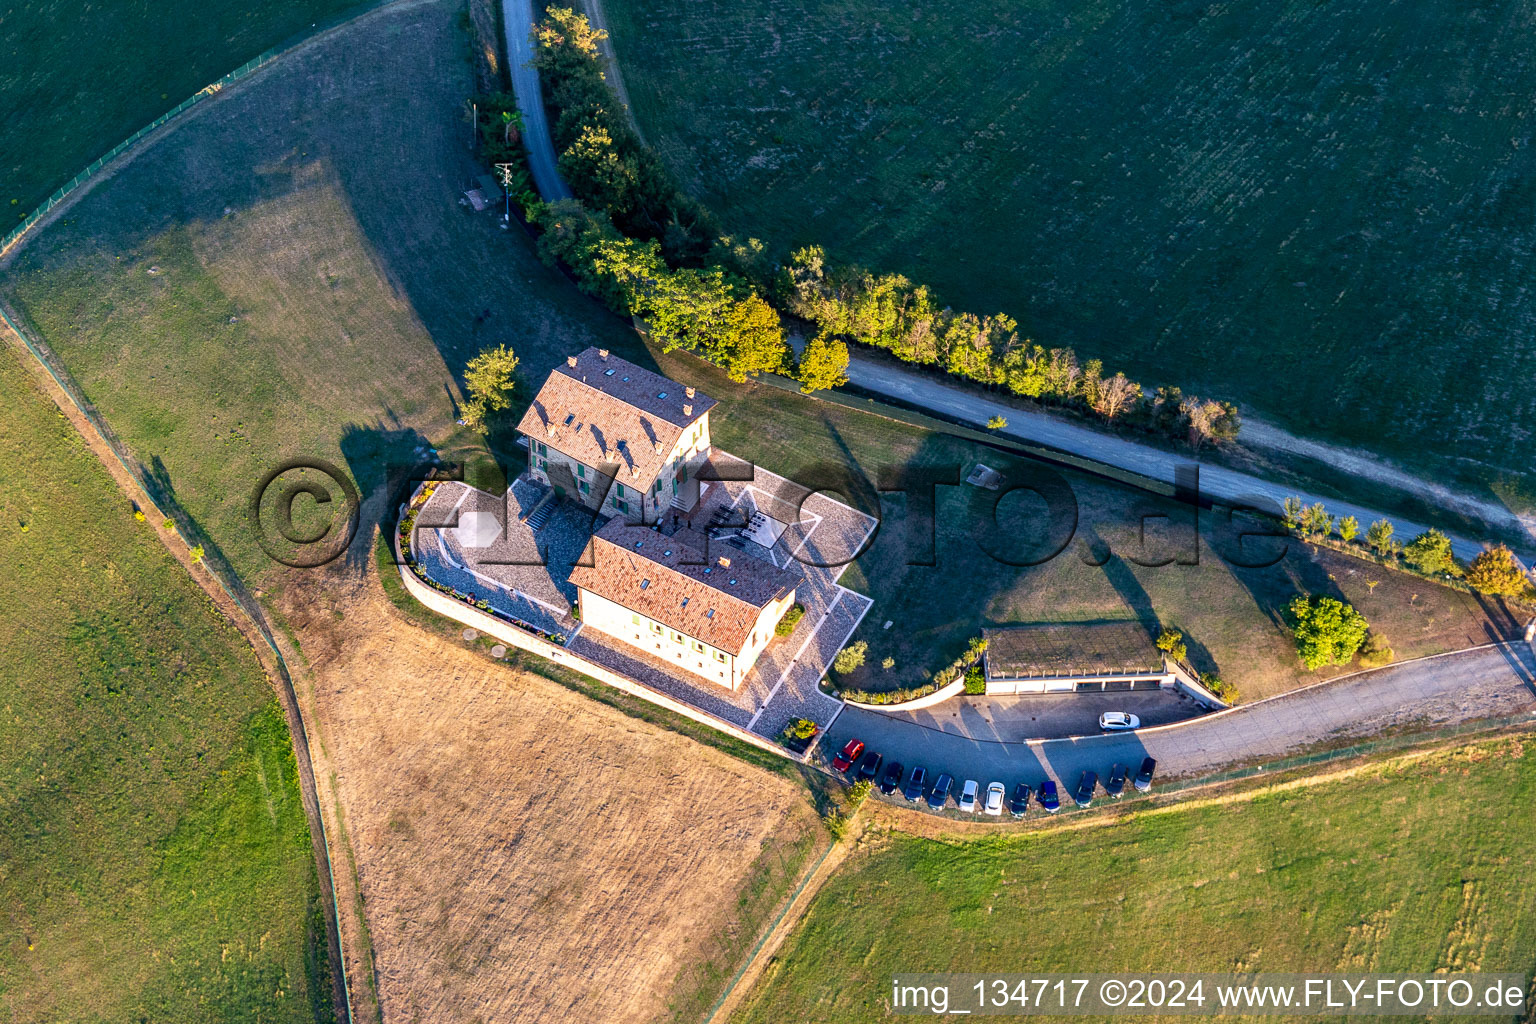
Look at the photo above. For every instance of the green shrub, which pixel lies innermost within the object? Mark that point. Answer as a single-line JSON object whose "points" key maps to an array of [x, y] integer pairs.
{"points": [[1220, 687], [974, 681], [1376, 652], [800, 729], [791, 619], [837, 823], [1171, 640], [889, 696], [850, 658], [858, 794]]}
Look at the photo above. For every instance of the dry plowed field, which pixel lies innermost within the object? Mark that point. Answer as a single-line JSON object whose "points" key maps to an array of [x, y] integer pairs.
{"points": [[525, 853]]}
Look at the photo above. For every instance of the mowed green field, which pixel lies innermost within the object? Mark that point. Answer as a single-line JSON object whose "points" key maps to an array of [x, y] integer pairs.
{"points": [[1411, 866], [155, 861], [75, 81], [1319, 210]]}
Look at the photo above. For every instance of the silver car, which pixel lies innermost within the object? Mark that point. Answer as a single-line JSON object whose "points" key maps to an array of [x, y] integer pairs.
{"points": [[968, 796], [994, 801], [1118, 721]]}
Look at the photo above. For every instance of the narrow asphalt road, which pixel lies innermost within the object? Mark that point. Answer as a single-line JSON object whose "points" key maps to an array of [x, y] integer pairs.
{"points": [[517, 17], [973, 407], [1488, 682]]}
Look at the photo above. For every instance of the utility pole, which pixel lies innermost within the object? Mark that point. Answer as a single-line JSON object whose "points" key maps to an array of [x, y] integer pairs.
{"points": [[506, 190]]}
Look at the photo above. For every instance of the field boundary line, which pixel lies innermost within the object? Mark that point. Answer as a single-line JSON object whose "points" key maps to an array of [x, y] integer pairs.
{"points": [[778, 926]]}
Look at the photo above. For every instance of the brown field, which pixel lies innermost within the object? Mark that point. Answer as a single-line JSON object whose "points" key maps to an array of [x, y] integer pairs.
{"points": [[525, 853]]}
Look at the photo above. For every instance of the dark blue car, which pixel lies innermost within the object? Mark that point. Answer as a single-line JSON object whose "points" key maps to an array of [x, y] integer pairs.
{"points": [[913, 790], [939, 795], [1047, 798], [1086, 784]]}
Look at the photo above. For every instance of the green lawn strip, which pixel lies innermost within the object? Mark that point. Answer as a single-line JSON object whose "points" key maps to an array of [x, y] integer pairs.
{"points": [[1204, 197], [156, 855], [1407, 866]]}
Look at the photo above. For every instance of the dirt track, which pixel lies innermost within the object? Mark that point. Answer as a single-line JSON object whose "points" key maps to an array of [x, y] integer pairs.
{"points": [[523, 853]]}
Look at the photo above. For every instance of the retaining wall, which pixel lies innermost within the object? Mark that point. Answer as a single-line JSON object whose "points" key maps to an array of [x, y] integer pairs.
{"points": [[938, 696]]}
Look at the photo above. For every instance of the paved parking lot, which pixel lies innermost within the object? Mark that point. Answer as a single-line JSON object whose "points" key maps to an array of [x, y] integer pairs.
{"points": [[1048, 716], [1488, 682]]}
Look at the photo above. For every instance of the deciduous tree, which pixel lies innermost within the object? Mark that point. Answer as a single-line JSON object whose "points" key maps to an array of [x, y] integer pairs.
{"points": [[1328, 631], [1430, 552], [823, 365], [489, 380], [1495, 571]]}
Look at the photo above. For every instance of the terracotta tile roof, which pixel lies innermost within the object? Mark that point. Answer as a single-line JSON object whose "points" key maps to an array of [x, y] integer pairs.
{"points": [[668, 579], [1071, 649], [606, 410]]}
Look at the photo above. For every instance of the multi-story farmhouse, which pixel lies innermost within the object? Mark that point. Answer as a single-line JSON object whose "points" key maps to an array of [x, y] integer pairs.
{"points": [[617, 438], [680, 599], [629, 444]]}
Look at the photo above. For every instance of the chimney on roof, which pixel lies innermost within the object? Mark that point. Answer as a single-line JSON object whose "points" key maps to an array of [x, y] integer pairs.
{"points": [[570, 361], [688, 392], [550, 428], [603, 353], [687, 410], [634, 471], [725, 563], [658, 448]]}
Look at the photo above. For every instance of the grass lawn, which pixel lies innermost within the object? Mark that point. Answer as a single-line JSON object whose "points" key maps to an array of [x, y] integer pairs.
{"points": [[1408, 866], [77, 81], [155, 861], [1222, 197]]}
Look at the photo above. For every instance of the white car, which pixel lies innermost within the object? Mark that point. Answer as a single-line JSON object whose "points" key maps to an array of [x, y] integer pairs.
{"points": [[1118, 721], [995, 793], [968, 796]]}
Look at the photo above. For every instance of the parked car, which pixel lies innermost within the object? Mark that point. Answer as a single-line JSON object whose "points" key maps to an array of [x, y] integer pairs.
{"points": [[1046, 796], [1118, 721], [869, 767], [1086, 784], [994, 802], [891, 779], [916, 783], [968, 796], [852, 751], [938, 796], [1020, 802], [1115, 784], [1143, 782]]}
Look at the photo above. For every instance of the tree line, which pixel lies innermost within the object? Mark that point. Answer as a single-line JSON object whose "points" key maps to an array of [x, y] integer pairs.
{"points": [[634, 240]]}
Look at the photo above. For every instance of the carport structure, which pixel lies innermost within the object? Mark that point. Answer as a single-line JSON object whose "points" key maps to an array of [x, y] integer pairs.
{"points": [[1080, 657]]}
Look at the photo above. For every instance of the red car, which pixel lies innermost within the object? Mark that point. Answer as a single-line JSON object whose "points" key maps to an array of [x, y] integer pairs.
{"points": [[842, 762]]}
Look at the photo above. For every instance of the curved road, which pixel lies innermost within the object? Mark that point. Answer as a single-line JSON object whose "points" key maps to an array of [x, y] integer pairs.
{"points": [[973, 407], [1485, 682], [517, 17]]}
